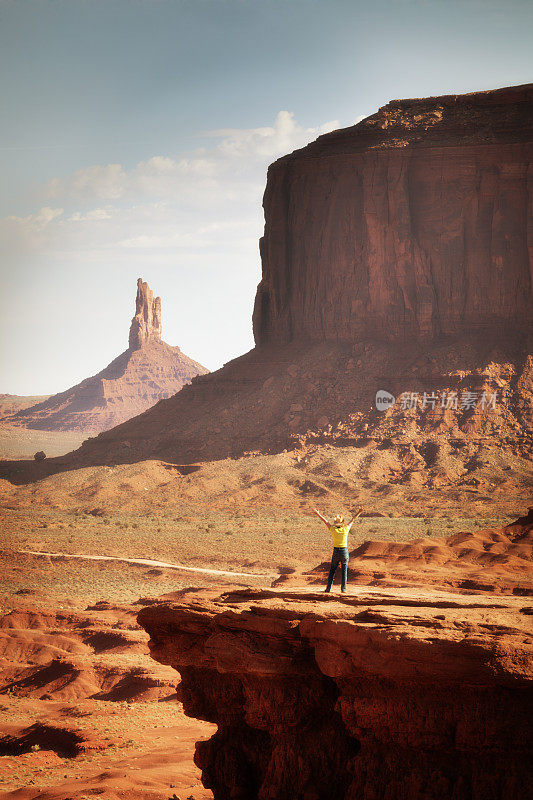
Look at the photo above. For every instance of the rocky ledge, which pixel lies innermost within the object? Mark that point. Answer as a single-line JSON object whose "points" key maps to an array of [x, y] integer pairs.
{"points": [[397, 693]]}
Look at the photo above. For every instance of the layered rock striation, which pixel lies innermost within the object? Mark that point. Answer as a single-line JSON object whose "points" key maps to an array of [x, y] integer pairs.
{"points": [[148, 371], [395, 693], [414, 224]]}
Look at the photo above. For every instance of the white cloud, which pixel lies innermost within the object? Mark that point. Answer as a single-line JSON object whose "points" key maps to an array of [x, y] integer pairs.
{"points": [[101, 182], [241, 155], [206, 201], [92, 215], [24, 237], [38, 221], [283, 137]]}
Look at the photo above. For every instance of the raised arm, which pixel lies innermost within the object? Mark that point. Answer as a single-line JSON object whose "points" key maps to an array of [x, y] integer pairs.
{"points": [[359, 511], [319, 515]]}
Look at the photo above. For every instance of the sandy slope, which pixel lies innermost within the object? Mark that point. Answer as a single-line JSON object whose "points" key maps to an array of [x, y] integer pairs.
{"points": [[78, 694]]}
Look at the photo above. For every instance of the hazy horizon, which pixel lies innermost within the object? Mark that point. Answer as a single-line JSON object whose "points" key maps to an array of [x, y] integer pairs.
{"points": [[137, 136]]}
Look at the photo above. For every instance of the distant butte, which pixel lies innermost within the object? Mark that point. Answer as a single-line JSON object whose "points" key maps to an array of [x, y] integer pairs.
{"points": [[148, 371]]}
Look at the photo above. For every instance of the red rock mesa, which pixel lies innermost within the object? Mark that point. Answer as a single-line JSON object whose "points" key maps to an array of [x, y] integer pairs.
{"points": [[411, 225]]}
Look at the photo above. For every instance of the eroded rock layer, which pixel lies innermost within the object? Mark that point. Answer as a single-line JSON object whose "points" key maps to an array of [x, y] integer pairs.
{"points": [[413, 224], [395, 693]]}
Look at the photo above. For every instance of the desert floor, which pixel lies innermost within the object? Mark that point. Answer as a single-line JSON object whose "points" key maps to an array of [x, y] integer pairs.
{"points": [[86, 711], [23, 443]]}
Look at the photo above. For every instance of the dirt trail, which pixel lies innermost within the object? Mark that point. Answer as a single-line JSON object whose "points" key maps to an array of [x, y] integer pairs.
{"points": [[148, 562]]}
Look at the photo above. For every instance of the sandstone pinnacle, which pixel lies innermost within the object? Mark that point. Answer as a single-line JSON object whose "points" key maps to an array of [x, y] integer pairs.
{"points": [[146, 324]]}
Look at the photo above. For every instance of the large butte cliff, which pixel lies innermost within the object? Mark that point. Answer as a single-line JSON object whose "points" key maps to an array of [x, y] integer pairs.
{"points": [[146, 372], [414, 224], [397, 694]]}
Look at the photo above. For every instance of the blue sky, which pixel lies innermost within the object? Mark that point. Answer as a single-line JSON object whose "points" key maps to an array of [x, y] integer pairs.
{"points": [[136, 135]]}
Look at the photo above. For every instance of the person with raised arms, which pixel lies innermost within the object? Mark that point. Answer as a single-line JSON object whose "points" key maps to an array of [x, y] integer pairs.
{"points": [[339, 531]]}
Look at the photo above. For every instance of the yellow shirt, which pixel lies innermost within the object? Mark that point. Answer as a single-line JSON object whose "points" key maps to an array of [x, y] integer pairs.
{"points": [[340, 534]]}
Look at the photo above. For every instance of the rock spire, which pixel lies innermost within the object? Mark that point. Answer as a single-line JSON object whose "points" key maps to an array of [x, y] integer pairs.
{"points": [[146, 324]]}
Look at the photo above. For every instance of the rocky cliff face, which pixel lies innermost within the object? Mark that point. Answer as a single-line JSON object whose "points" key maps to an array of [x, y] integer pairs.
{"points": [[146, 324], [387, 694], [148, 371], [414, 224]]}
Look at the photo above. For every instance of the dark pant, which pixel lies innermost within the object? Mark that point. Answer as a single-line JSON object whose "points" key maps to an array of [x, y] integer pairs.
{"points": [[340, 556]]}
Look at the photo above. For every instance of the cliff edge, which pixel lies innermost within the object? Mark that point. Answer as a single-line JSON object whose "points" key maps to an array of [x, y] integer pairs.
{"points": [[398, 693]]}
